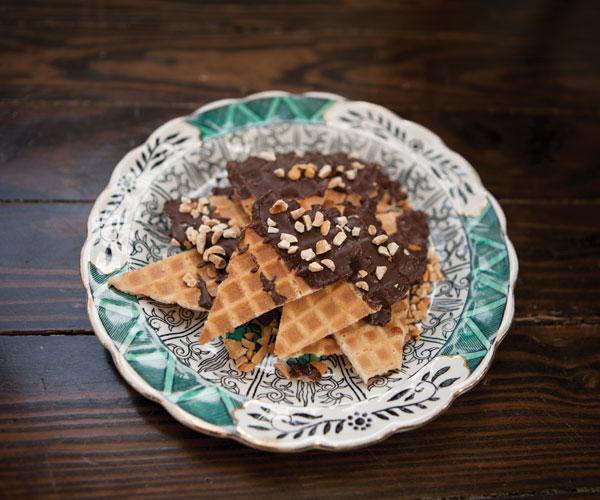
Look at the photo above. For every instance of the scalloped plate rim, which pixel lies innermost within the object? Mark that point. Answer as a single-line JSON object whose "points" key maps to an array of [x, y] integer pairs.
{"points": [[198, 424]]}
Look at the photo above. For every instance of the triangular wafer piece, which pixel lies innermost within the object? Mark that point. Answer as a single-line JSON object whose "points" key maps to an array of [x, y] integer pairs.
{"points": [[329, 310], [163, 281], [356, 340], [372, 350], [242, 296]]}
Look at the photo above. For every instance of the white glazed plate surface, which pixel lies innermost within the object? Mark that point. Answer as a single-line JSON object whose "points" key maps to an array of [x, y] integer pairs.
{"points": [[155, 346]]}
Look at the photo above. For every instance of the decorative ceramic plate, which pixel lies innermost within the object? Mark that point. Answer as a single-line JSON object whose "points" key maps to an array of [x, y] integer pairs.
{"points": [[155, 346]]}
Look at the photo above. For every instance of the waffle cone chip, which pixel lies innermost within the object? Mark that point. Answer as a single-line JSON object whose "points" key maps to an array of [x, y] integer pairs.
{"points": [[315, 316], [242, 297], [372, 350], [163, 281]]}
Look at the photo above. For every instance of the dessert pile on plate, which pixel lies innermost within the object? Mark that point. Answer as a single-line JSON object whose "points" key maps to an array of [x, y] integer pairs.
{"points": [[302, 257]]}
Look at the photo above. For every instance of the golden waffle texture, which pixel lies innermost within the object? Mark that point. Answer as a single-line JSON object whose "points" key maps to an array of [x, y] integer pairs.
{"points": [[241, 296], [163, 280], [372, 350], [315, 316], [231, 210]]}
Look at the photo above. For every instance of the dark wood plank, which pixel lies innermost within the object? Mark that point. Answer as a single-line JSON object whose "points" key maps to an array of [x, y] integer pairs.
{"points": [[517, 56], [558, 247], [40, 287], [71, 426], [51, 152]]}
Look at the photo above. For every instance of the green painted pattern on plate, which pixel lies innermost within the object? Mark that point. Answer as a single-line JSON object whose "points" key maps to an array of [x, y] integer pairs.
{"points": [[121, 314]]}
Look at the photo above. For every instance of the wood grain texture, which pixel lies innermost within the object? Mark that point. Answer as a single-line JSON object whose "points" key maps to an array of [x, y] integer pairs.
{"points": [[513, 86], [55, 152], [523, 58], [76, 428]]}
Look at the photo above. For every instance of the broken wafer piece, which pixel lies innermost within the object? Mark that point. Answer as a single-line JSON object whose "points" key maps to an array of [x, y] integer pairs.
{"points": [[370, 289], [372, 350], [307, 321], [257, 282], [277, 264], [163, 281], [356, 340]]}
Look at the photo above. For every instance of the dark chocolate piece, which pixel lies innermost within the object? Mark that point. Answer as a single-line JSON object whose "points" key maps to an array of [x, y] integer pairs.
{"points": [[255, 177], [269, 287], [206, 300], [304, 371], [341, 255]]}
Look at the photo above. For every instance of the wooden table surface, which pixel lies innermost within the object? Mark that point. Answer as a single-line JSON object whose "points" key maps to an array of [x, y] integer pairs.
{"points": [[514, 86]]}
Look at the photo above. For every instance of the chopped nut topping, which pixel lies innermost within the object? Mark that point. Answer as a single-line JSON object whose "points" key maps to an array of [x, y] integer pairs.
{"points": [[406, 252], [278, 207], [289, 237], [307, 222], [329, 264], [307, 254], [414, 247], [322, 247], [325, 227], [310, 170], [220, 227], [298, 226], [380, 272], [383, 251], [186, 206], [201, 242], [279, 172], [362, 273], [267, 155], [293, 249], [325, 171], [336, 182], [315, 267], [378, 240], [217, 249], [350, 174], [272, 229], [318, 219], [372, 230], [297, 213], [175, 242], [339, 238], [342, 221], [356, 231], [232, 232], [393, 248], [285, 244], [340, 168], [219, 262], [190, 280], [363, 285], [357, 165], [216, 236], [191, 234], [271, 222], [294, 173]]}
